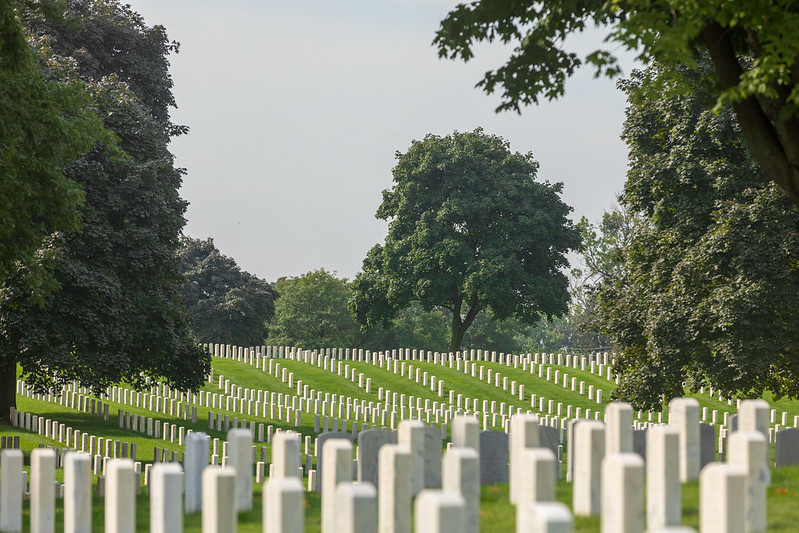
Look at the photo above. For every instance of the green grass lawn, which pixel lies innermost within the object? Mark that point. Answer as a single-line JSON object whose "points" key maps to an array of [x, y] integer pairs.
{"points": [[496, 513]]}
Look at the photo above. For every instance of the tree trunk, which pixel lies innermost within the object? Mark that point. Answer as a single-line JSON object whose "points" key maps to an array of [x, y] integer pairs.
{"points": [[8, 388], [773, 140], [458, 331], [459, 326]]}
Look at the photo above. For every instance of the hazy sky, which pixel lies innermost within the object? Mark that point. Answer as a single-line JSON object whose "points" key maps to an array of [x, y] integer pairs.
{"points": [[297, 108]]}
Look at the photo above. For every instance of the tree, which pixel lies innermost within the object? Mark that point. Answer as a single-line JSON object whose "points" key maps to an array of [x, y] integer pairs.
{"points": [[486, 333], [226, 303], [709, 289], [412, 328], [469, 229], [119, 313], [311, 312], [753, 48], [44, 124]]}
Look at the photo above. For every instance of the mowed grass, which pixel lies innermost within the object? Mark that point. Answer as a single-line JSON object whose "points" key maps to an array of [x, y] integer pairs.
{"points": [[496, 513]]}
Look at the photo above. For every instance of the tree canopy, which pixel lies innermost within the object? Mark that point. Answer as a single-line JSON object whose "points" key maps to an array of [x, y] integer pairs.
{"points": [[753, 47], [226, 303], [44, 124], [470, 229], [708, 293], [119, 312], [311, 312]]}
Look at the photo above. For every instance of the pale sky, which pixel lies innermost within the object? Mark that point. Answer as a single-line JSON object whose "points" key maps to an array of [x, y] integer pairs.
{"points": [[296, 109]]}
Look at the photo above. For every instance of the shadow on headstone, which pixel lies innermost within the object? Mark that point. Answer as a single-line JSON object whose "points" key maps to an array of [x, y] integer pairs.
{"points": [[786, 447], [320, 444], [707, 444], [369, 444], [432, 457], [639, 443], [494, 447]]}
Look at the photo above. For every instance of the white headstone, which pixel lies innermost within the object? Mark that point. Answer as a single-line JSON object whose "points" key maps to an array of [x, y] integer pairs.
{"points": [[166, 498], [77, 493], [195, 460], [748, 450], [120, 497], [461, 474], [466, 432], [356, 508], [663, 489], [42, 508], [543, 517], [337, 462], [618, 428], [722, 495], [684, 415], [438, 511], [11, 490], [523, 435], [753, 415], [622, 493], [283, 506], [394, 490], [240, 454], [286, 454], [219, 500], [536, 481], [411, 434], [589, 450]]}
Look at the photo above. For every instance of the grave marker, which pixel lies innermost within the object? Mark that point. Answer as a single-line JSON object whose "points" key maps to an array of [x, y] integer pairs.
{"points": [[411, 434], [219, 500], [461, 474], [42, 507], [722, 493], [438, 511], [523, 435], [283, 506], [77, 493], [748, 450], [369, 444], [494, 448], [663, 490], [394, 489], [195, 461], [356, 508], [589, 450], [337, 463], [684, 415], [120, 498], [240, 458], [166, 498], [543, 517]]}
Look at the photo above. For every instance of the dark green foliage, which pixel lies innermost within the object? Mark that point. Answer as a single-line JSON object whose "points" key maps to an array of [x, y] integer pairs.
{"points": [[226, 304], [709, 292], [119, 313], [469, 229], [43, 125], [311, 312], [413, 328], [753, 47]]}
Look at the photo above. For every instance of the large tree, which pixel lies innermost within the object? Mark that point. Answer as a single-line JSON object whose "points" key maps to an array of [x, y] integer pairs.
{"points": [[119, 313], [226, 304], [470, 229], [708, 292], [753, 46], [44, 124]]}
